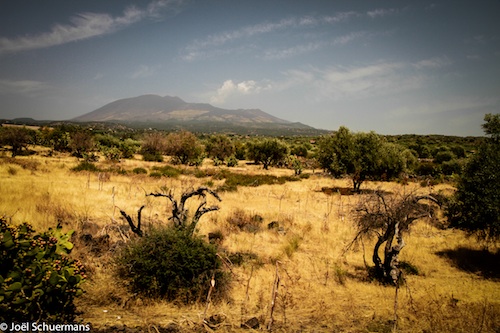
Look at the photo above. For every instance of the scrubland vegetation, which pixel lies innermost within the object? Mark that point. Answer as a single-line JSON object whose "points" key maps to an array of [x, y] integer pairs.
{"points": [[285, 239]]}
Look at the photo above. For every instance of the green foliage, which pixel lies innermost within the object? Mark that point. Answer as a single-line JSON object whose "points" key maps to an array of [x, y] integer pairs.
{"points": [[81, 142], [38, 281], [232, 161], [152, 157], [184, 147], [58, 138], [427, 169], [301, 150], [167, 171], [239, 150], [171, 264], [219, 147], [444, 156], [86, 166], [451, 167], [18, 138], [139, 171], [476, 204], [492, 126], [112, 154], [296, 165], [362, 156], [269, 152]]}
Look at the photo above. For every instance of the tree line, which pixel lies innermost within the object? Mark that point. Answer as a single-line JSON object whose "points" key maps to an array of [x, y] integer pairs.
{"points": [[360, 155]]}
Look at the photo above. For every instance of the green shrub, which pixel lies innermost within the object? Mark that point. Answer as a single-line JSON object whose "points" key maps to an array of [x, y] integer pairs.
{"points": [[155, 174], [112, 154], [86, 166], [171, 264], [232, 161], [152, 157], [168, 171], [139, 171], [38, 280]]}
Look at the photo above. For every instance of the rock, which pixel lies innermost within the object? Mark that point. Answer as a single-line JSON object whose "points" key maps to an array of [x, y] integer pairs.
{"points": [[252, 323]]}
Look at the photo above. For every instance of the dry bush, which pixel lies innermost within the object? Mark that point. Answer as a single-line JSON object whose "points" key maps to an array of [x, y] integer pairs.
{"points": [[244, 221]]}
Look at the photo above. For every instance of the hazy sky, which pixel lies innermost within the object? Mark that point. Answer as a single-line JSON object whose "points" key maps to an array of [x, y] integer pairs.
{"points": [[424, 67]]}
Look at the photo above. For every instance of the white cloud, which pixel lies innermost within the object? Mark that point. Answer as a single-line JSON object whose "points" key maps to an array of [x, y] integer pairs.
{"points": [[276, 54], [230, 88], [144, 71], [436, 62], [195, 49], [83, 26], [212, 44], [201, 48], [381, 12], [354, 82]]}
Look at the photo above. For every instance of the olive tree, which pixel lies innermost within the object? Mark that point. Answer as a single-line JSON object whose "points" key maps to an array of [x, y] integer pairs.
{"points": [[362, 156], [388, 217], [184, 147], [219, 147], [153, 146], [268, 152], [475, 206], [81, 143], [18, 138]]}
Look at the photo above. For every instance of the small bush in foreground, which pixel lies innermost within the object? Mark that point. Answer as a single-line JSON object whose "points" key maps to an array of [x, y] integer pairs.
{"points": [[171, 264], [39, 281]]}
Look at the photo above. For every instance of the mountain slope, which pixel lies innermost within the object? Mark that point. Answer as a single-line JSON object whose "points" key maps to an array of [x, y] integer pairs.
{"points": [[154, 108]]}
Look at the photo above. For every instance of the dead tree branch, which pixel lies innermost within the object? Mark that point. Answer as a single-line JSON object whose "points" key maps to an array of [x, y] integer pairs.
{"points": [[135, 229], [180, 213]]}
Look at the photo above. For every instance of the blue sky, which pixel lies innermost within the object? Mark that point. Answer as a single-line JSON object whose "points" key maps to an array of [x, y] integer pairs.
{"points": [[394, 67]]}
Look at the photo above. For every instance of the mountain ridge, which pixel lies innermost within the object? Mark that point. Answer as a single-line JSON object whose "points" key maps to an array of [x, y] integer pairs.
{"points": [[150, 108]]}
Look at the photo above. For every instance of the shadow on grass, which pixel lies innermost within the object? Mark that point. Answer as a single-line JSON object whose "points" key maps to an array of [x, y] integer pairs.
{"points": [[349, 191], [481, 262]]}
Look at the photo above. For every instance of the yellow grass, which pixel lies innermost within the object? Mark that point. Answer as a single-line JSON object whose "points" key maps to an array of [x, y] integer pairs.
{"points": [[321, 289]]}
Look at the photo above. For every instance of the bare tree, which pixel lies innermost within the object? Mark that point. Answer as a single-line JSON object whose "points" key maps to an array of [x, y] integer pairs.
{"points": [[180, 213], [389, 217]]}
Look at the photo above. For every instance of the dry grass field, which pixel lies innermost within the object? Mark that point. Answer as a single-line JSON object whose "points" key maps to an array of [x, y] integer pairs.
{"points": [[322, 287]]}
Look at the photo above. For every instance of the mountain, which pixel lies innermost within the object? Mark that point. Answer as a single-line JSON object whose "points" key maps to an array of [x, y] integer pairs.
{"points": [[148, 108], [172, 112]]}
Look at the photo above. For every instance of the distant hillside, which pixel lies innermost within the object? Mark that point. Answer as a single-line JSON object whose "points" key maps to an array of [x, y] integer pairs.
{"points": [[154, 108]]}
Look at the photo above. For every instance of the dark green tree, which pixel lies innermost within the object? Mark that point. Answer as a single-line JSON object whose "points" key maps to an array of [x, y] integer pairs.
{"points": [[82, 143], [18, 138], [219, 147], [58, 137], [184, 147], [362, 156], [268, 152], [475, 206], [336, 153]]}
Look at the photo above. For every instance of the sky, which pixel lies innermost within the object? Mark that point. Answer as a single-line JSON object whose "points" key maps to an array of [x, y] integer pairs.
{"points": [[393, 67]]}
